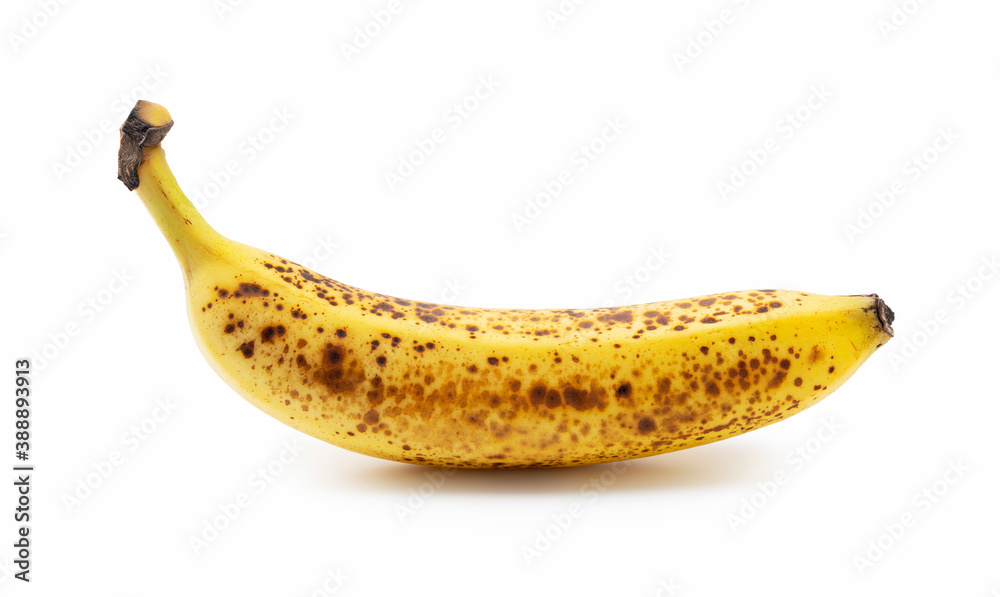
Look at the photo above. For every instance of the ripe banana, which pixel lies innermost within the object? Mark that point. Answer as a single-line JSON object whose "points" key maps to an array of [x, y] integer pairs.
{"points": [[490, 388]]}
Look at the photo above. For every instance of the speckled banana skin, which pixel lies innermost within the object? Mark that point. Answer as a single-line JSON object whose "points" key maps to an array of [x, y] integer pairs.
{"points": [[491, 388]]}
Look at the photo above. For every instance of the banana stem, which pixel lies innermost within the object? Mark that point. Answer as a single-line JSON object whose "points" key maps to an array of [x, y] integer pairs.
{"points": [[142, 166], [189, 235]]}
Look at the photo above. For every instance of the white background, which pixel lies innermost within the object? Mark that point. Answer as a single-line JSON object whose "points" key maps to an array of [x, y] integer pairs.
{"points": [[869, 101]]}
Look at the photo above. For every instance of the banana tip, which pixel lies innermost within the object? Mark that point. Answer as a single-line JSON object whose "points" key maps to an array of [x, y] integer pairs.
{"points": [[885, 315]]}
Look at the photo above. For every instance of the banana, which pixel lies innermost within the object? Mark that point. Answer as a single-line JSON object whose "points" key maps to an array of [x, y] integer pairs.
{"points": [[456, 386]]}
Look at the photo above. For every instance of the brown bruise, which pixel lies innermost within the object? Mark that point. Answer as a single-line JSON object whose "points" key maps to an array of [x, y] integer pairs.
{"points": [[438, 384]]}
